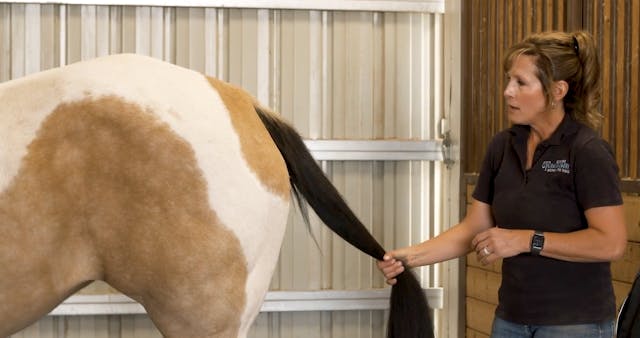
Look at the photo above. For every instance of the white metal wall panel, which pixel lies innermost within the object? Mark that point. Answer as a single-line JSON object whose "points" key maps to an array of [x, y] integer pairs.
{"points": [[431, 6], [333, 74]]}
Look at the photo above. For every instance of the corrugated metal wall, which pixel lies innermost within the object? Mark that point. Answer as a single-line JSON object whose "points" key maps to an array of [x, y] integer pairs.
{"points": [[333, 74]]}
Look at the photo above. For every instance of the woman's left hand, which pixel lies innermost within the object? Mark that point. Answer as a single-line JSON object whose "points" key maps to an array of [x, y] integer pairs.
{"points": [[496, 243]]}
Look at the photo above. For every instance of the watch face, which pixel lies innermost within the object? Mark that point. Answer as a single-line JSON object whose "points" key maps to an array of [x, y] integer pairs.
{"points": [[538, 241]]}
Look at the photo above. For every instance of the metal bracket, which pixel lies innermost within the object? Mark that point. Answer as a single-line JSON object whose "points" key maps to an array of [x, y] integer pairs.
{"points": [[445, 133]]}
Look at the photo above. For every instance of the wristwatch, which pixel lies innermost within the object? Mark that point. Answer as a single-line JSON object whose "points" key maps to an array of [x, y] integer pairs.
{"points": [[537, 243]]}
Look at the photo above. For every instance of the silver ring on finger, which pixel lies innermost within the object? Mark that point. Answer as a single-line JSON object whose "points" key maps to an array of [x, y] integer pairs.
{"points": [[486, 251]]}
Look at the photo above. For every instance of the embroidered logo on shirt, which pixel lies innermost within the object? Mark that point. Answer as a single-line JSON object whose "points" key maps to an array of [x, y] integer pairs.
{"points": [[559, 166]]}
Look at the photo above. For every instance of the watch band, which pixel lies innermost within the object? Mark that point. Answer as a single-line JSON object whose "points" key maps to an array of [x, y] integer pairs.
{"points": [[537, 243]]}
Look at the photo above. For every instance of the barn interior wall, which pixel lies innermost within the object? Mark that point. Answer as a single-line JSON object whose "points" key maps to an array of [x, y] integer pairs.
{"points": [[332, 74]]}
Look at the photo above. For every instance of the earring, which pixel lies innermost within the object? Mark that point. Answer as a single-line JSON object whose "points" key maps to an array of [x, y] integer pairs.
{"points": [[553, 105]]}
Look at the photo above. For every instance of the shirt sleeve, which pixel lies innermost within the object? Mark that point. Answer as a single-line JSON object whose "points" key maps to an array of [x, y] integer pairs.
{"points": [[484, 189], [596, 174]]}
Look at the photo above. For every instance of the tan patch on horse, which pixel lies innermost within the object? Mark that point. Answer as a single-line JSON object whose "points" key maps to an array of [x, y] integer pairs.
{"points": [[259, 150], [109, 173]]}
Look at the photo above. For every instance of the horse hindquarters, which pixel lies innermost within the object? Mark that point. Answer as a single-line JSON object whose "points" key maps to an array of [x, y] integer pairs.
{"points": [[169, 181], [195, 234], [193, 240]]}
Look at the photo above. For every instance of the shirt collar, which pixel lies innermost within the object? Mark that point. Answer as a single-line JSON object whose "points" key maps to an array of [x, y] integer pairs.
{"points": [[567, 127]]}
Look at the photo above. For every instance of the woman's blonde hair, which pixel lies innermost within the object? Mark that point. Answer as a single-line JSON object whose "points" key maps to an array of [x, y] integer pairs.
{"points": [[571, 57]]}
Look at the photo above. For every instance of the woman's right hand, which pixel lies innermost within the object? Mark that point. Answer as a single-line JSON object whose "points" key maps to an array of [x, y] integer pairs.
{"points": [[390, 267]]}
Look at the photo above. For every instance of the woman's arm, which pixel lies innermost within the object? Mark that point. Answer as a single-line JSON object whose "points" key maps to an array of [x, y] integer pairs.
{"points": [[604, 240], [452, 243]]}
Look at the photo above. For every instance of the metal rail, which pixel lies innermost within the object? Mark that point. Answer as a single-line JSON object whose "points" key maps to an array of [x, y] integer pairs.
{"points": [[423, 6], [275, 301], [376, 150]]}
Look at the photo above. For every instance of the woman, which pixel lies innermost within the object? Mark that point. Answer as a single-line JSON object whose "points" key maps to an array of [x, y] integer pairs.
{"points": [[547, 200]]}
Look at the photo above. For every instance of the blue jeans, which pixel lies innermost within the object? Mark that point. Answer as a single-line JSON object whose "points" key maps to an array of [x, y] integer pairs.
{"points": [[504, 329]]}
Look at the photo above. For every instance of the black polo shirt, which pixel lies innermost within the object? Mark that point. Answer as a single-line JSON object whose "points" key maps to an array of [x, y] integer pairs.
{"points": [[572, 171]]}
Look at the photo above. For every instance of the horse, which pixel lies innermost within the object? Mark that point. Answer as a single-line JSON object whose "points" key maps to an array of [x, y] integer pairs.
{"points": [[169, 185]]}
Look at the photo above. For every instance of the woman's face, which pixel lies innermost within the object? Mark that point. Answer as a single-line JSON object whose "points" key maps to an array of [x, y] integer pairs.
{"points": [[523, 93]]}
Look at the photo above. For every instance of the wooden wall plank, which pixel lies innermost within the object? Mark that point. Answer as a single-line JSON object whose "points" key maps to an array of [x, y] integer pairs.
{"points": [[632, 217], [621, 291], [472, 261], [625, 270], [621, 132], [539, 19], [483, 285], [480, 315], [605, 47], [634, 89], [561, 15], [475, 334]]}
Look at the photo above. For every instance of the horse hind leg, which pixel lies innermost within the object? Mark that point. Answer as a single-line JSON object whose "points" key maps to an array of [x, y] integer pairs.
{"points": [[176, 318], [23, 304], [34, 283], [192, 288], [201, 303]]}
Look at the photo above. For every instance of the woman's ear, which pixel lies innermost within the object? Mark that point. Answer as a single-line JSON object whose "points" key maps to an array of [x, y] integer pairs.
{"points": [[560, 89]]}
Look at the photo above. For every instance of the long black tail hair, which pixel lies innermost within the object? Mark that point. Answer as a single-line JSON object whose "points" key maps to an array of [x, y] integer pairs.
{"points": [[409, 312]]}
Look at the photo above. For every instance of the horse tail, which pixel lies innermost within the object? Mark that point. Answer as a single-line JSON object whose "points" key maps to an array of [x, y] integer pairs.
{"points": [[408, 311]]}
